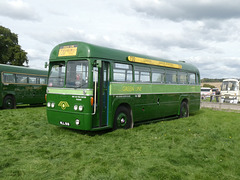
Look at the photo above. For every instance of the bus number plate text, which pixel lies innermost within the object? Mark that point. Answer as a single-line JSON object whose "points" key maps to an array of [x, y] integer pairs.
{"points": [[64, 123]]}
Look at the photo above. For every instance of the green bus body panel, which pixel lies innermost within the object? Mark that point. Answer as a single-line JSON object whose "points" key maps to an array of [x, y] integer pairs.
{"points": [[22, 93], [145, 105], [156, 106], [55, 117], [70, 98], [147, 101], [152, 101]]}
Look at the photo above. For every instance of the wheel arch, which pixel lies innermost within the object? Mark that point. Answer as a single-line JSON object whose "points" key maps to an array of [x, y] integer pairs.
{"points": [[183, 99], [126, 105]]}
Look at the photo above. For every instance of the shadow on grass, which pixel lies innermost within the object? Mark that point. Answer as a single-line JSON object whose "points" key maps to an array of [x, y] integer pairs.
{"points": [[31, 106], [170, 118], [22, 106], [88, 133], [197, 113]]}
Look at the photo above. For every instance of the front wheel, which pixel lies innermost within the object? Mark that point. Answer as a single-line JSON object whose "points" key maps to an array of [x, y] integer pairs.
{"points": [[122, 118], [184, 110], [9, 102]]}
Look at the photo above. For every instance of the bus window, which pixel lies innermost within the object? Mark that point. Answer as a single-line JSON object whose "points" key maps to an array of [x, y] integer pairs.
{"points": [[229, 86], [21, 78], [57, 75], [8, 78], [192, 79], [43, 80], [158, 75], [77, 74], [171, 77], [32, 80], [182, 78], [142, 74], [122, 72]]}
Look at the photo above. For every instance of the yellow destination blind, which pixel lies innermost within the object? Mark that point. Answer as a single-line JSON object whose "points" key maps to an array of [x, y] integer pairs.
{"points": [[70, 50], [154, 62]]}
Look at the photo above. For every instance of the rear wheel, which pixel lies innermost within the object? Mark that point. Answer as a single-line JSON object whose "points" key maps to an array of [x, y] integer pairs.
{"points": [[9, 102], [122, 118], [184, 110]]}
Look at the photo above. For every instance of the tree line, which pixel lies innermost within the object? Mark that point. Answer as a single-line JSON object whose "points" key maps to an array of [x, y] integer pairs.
{"points": [[205, 80]]}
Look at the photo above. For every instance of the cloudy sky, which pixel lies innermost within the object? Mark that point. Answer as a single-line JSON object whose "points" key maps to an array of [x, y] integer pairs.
{"points": [[205, 33]]}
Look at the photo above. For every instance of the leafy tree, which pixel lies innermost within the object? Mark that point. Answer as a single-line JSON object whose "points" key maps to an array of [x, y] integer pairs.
{"points": [[10, 50]]}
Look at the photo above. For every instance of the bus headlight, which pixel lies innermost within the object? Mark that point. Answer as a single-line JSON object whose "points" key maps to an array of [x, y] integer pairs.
{"points": [[75, 107], [80, 108], [53, 105], [48, 104]]}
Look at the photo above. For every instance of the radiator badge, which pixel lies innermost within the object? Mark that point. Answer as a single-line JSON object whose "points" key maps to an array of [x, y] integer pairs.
{"points": [[63, 104]]}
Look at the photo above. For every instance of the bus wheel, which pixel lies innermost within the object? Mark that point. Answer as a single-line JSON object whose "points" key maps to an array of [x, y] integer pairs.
{"points": [[9, 102], [122, 118], [184, 110]]}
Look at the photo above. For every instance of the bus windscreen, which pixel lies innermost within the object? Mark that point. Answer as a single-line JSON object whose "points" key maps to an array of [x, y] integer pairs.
{"points": [[77, 74], [57, 75]]}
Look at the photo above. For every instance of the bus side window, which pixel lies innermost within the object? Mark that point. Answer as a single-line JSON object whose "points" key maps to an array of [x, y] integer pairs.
{"points": [[142, 74], [43, 80], [158, 75], [8, 78], [21, 78], [32, 80], [192, 78], [122, 72], [182, 78], [171, 77]]}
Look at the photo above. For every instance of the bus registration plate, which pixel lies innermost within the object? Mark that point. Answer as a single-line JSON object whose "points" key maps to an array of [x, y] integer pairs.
{"points": [[64, 123], [70, 50]]}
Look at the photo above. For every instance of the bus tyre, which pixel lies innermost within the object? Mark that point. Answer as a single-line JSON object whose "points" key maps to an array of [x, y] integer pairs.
{"points": [[9, 102], [184, 110], [122, 118]]}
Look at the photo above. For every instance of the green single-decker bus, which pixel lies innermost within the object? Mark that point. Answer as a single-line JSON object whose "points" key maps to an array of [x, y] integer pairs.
{"points": [[92, 88], [21, 85]]}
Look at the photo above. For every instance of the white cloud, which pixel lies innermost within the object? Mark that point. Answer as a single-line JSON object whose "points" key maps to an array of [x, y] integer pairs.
{"points": [[188, 10], [18, 9]]}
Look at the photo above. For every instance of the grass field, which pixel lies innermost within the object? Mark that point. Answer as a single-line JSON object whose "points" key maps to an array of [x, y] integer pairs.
{"points": [[204, 146]]}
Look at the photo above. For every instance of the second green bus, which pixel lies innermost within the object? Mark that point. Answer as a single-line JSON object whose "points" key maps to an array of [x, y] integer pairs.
{"points": [[21, 85]]}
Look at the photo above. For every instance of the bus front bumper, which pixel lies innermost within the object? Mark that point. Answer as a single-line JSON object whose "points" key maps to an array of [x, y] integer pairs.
{"points": [[70, 120]]}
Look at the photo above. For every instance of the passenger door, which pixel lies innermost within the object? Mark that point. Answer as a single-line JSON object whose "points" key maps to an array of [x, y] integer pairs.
{"points": [[102, 94]]}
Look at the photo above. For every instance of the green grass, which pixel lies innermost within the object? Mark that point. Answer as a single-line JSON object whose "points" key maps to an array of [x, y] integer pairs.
{"points": [[203, 146], [213, 100]]}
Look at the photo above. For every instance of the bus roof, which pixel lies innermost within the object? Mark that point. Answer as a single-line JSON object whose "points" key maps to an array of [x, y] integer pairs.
{"points": [[21, 69], [230, 80], [76, 50]]}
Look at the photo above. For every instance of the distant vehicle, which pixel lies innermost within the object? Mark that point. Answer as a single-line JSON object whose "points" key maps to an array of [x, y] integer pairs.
{"points": [[205, 92], [21, 85], [230, 91]]}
